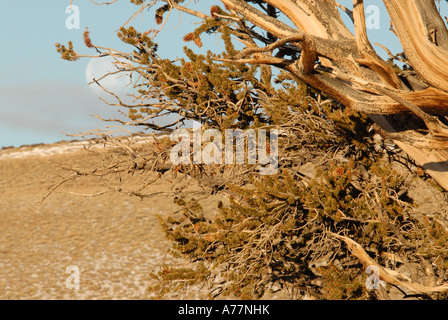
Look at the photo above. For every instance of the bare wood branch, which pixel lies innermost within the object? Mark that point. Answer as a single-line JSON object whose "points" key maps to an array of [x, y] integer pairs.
{"points": [[368, 55], [388, 275], [346, 10]]}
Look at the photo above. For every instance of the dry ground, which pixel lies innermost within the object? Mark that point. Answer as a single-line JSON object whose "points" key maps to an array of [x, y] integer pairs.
{"points": [[115, 240]]}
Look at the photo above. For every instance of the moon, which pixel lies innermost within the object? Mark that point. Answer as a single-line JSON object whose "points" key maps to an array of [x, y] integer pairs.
{"points": [[97, 68]]}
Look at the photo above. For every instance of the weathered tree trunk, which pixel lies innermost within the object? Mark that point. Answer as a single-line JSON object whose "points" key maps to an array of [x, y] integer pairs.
{"points": [[346, 67]]}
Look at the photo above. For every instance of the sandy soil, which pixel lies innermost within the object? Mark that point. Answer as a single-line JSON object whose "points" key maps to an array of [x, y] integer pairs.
{"points": [[115, 240]]}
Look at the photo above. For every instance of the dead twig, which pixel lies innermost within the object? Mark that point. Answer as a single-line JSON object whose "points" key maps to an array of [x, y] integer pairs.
{"points": [[390, 276]]}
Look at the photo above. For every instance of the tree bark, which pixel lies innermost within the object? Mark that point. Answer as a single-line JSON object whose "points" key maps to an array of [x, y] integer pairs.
{"points": [[346, 66]]}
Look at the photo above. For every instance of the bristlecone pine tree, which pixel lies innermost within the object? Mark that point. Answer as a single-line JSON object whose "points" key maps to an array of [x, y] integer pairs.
{"points": [[294, 64]]}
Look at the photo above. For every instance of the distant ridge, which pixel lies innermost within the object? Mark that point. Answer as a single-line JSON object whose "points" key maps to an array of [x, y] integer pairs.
{"points": [[63, 146]]}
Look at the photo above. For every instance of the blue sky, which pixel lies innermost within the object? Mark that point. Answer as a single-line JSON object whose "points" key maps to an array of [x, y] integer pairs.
{"points": [[43, 96]]}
